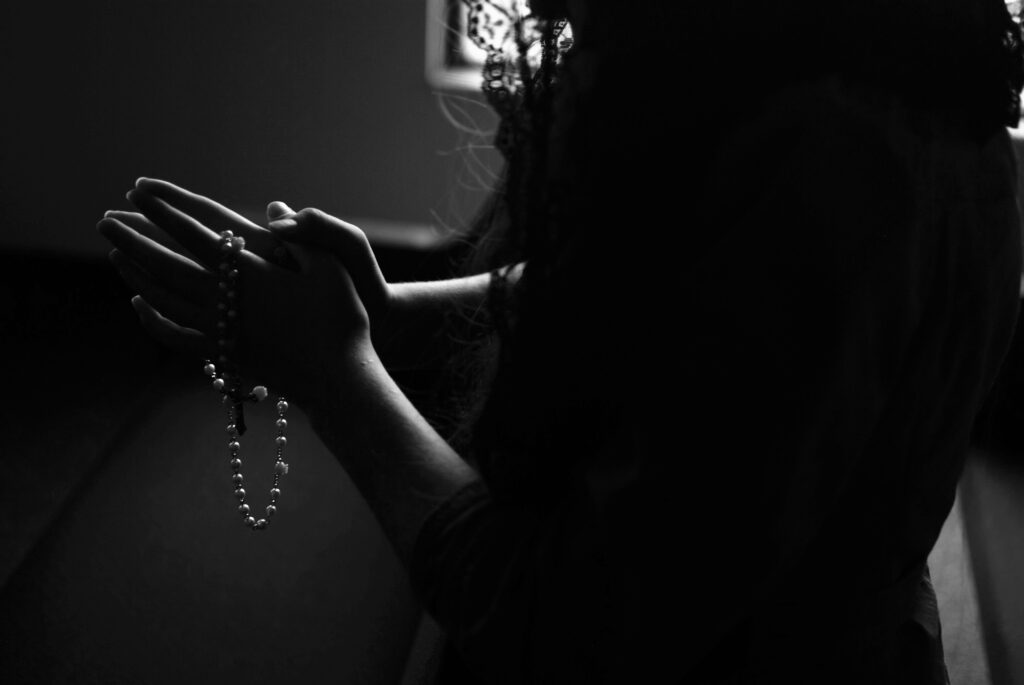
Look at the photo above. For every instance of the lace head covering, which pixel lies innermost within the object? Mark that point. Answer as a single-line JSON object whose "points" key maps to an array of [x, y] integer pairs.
{"points": [[607, 127]]}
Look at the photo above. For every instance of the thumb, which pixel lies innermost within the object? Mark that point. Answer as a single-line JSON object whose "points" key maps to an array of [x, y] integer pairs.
{"points": [[278, 210], [345, 241]]}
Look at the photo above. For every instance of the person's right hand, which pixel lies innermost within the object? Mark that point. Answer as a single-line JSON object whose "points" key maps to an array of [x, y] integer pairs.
{"points": [[346, 242]]}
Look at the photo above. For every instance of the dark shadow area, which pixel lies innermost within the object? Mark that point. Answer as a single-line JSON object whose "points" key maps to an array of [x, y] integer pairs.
{"points": [[123, 560]]}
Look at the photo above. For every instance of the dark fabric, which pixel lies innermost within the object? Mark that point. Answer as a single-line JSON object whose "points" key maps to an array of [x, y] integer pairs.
{"points": [[789, 421]]}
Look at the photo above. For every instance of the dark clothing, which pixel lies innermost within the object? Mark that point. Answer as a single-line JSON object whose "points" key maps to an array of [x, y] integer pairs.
{"points": [[793, 416]]}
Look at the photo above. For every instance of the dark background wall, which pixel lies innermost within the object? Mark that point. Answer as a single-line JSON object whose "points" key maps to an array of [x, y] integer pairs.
{"points": [[121, 557], [315, 102]]}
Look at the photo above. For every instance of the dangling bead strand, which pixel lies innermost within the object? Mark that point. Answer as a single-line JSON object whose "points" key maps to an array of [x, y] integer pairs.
{"points": [[228, 383]]}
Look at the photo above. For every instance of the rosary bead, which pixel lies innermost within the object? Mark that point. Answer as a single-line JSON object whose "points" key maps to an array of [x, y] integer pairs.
{"points": [[228, 384], [227, 234]]}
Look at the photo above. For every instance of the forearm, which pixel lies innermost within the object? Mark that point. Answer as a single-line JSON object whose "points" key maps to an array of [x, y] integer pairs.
{"points": [[399, 463], [411, 333]]}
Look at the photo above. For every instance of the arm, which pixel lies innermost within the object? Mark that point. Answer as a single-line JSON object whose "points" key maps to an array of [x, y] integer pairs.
{"points": [[412, 331], [409, 319]]}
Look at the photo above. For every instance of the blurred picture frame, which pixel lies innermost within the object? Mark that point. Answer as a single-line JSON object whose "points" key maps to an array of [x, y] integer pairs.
{"points": [[453, 62]]}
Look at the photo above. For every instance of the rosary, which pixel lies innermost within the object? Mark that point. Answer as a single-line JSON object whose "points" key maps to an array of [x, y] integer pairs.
{"points": [[229, 384]]}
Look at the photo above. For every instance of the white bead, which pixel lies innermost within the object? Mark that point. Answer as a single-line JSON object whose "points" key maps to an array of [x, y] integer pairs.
{"points": [[282, 423], [225, 235], [281, 441], [275, 493], [218, 383], [282, 407], [236, 463], [233, 274], [234, 445], [240, 493], [271, 510], [261, 524], [281, 468], [243, 509], [237, 478], [238, 243], [250, 521], [260, 393], [232, 430], [209, 369]]}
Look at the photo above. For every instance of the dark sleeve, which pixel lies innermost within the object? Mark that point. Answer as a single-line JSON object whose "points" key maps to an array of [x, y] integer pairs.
{"points": [[775, 366]]}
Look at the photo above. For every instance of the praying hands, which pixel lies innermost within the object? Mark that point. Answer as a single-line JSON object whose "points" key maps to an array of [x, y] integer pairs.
{"points": [[307, 293], [298, 306]]}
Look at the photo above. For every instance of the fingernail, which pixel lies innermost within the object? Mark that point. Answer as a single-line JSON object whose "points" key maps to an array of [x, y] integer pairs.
{"points": [[278, 209]]}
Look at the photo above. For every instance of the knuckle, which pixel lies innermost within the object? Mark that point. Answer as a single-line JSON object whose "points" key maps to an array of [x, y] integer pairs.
{"points": [[310, 214]]}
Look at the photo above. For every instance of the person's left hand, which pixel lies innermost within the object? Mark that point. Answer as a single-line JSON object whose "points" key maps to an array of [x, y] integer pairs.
{"points": [[297, 308]]}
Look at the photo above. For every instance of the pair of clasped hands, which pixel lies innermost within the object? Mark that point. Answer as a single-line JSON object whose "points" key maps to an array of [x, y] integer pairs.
{"points": [[308, 283]]}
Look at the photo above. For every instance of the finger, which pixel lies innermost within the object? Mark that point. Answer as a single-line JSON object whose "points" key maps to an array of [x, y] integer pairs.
{"points": [[171, 304], [140, 224], [212, 214], [190, 233], [278, 210], [167, 332], [345, 240], [163, 264]]}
